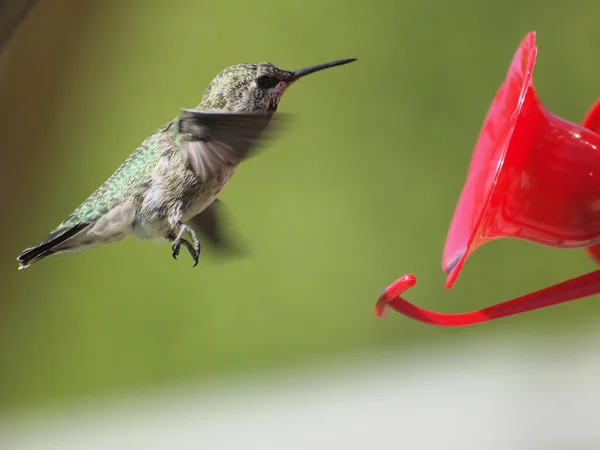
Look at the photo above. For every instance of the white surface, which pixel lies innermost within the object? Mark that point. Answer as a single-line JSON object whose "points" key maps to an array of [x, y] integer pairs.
{"points": [[475, 399]]}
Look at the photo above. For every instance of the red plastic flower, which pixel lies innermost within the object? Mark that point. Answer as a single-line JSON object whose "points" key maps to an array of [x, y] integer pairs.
{"points": [[532, 176]]}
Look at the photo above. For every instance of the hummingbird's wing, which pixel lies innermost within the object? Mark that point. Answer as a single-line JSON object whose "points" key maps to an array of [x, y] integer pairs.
{"points": [[12, 12], [211, 224], [213, 140], [208, 223]]}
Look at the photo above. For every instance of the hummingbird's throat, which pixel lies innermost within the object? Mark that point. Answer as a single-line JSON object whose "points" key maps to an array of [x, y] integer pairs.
{"points": [[275, 96]]}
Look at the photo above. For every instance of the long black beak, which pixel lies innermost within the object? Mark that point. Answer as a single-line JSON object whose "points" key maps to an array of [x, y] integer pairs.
{"points": [[302, 72]]}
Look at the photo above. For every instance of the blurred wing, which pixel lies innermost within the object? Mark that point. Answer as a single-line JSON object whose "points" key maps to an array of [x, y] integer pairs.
{"points": [[217, 229], [209, 223], [12, 12], [213, 140]]}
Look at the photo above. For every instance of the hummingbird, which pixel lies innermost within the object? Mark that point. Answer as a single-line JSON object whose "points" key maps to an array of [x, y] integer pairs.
{"points": [[175, 176]]}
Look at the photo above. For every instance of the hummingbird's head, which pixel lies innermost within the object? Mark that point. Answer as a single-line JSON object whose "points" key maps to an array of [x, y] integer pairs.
{"points": [[254, 87]]}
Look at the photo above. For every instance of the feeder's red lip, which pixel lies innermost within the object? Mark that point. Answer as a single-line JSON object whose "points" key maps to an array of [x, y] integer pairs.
{"points": [[592, 122], [592, 118], [493, 141]]}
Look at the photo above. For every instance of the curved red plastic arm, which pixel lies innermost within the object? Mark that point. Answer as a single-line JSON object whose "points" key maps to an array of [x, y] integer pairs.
{"points": [[573, 289]]}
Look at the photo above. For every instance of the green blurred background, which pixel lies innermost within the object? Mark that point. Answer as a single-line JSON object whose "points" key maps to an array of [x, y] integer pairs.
{"points": [[358, 191]]}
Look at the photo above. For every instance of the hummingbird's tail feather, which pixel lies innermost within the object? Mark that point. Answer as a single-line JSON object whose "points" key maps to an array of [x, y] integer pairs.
{"points": [[49, 245]]}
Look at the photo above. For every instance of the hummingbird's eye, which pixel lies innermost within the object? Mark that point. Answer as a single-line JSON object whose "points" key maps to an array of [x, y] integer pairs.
{"points": [[266, 82]]}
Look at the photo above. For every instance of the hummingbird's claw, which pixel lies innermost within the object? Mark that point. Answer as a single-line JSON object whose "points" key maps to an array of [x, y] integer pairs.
{"points": [[196, 255], [178, 241], [176, 245]]}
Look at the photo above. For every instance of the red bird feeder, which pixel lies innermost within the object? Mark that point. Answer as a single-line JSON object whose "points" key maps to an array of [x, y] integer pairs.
{"points": [[532, 176]]}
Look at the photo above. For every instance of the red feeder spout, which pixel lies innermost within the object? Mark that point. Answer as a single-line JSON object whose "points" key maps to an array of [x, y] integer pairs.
{"points": [[532, 176]]}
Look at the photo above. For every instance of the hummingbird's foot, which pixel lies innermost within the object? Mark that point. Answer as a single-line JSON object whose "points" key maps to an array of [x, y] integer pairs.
{"points": [[176, 246], [178, 240]]}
